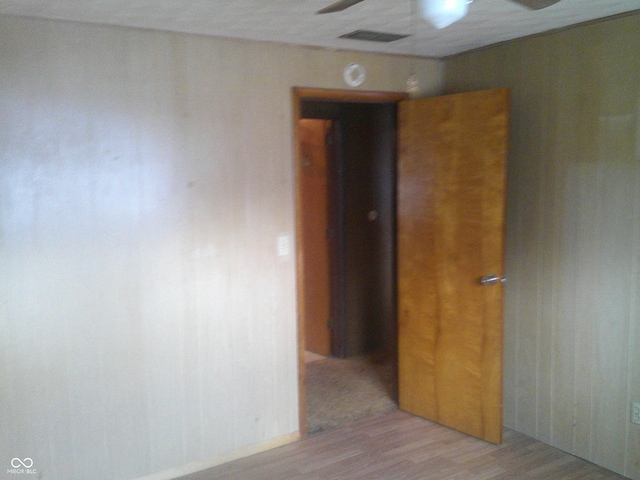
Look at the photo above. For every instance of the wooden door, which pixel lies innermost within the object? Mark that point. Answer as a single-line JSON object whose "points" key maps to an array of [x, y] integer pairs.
{"points": [[316, 297], [451, 190]]}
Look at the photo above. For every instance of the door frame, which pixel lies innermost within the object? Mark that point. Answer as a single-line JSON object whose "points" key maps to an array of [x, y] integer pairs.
{"points": [[300, 94]]}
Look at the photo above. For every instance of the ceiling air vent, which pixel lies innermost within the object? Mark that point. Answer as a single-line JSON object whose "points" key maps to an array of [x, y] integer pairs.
{"points": [[369, 36]]}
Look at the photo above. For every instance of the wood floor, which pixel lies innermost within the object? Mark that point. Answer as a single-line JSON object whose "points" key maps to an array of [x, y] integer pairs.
{"points": [[400, 446]]}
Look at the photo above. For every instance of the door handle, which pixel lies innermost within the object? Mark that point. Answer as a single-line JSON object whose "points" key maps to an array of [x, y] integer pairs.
{"points": [[492, 279]]}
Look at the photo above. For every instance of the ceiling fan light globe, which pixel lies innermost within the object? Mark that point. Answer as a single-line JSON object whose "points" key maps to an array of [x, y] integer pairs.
{"points": [[442, 13]]}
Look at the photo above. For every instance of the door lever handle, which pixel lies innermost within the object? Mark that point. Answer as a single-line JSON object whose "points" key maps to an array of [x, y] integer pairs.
{"points": [[492, 279]]}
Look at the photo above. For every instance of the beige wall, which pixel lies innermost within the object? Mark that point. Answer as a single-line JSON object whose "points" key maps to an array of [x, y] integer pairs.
{"points": [[147, 322], [573, 249]]}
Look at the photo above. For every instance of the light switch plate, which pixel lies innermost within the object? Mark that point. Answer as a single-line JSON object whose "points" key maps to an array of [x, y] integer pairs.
{"points": [[635, 413], [283, 245]]}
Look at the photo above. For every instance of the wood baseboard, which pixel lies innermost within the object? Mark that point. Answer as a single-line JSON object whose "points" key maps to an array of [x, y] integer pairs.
{"points": [[195, 467]]}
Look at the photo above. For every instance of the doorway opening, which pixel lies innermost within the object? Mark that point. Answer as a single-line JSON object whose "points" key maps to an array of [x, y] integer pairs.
{"points": [[346, 191], [451, 178]]}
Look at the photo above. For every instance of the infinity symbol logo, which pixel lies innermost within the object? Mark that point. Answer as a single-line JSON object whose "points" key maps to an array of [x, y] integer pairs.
{"points": [[26, 463]]}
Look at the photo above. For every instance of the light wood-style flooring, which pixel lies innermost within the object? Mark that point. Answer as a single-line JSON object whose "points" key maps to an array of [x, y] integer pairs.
{"points": [[400, 446]]}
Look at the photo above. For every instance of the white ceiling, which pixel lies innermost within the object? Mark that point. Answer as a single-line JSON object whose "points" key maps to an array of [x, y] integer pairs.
{"points": [[295, 21]]}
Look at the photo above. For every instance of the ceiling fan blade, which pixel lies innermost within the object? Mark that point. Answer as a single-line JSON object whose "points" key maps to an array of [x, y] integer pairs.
{"points": [[339, 6], [535, 4]]}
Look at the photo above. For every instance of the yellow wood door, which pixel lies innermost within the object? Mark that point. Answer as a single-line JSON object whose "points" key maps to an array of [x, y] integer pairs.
{"points": [[451, 208], [316, 296]]}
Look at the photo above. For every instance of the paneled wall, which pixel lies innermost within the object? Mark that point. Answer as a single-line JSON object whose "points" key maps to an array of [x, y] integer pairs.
{"points": [[573, 243], [147, 323]]}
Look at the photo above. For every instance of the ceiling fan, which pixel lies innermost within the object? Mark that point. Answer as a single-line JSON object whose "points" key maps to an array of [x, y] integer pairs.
{"points": [[530, 4]]}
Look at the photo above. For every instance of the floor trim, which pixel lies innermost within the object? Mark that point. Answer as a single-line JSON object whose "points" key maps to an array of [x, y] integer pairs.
{"points": [[196, 467]]}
